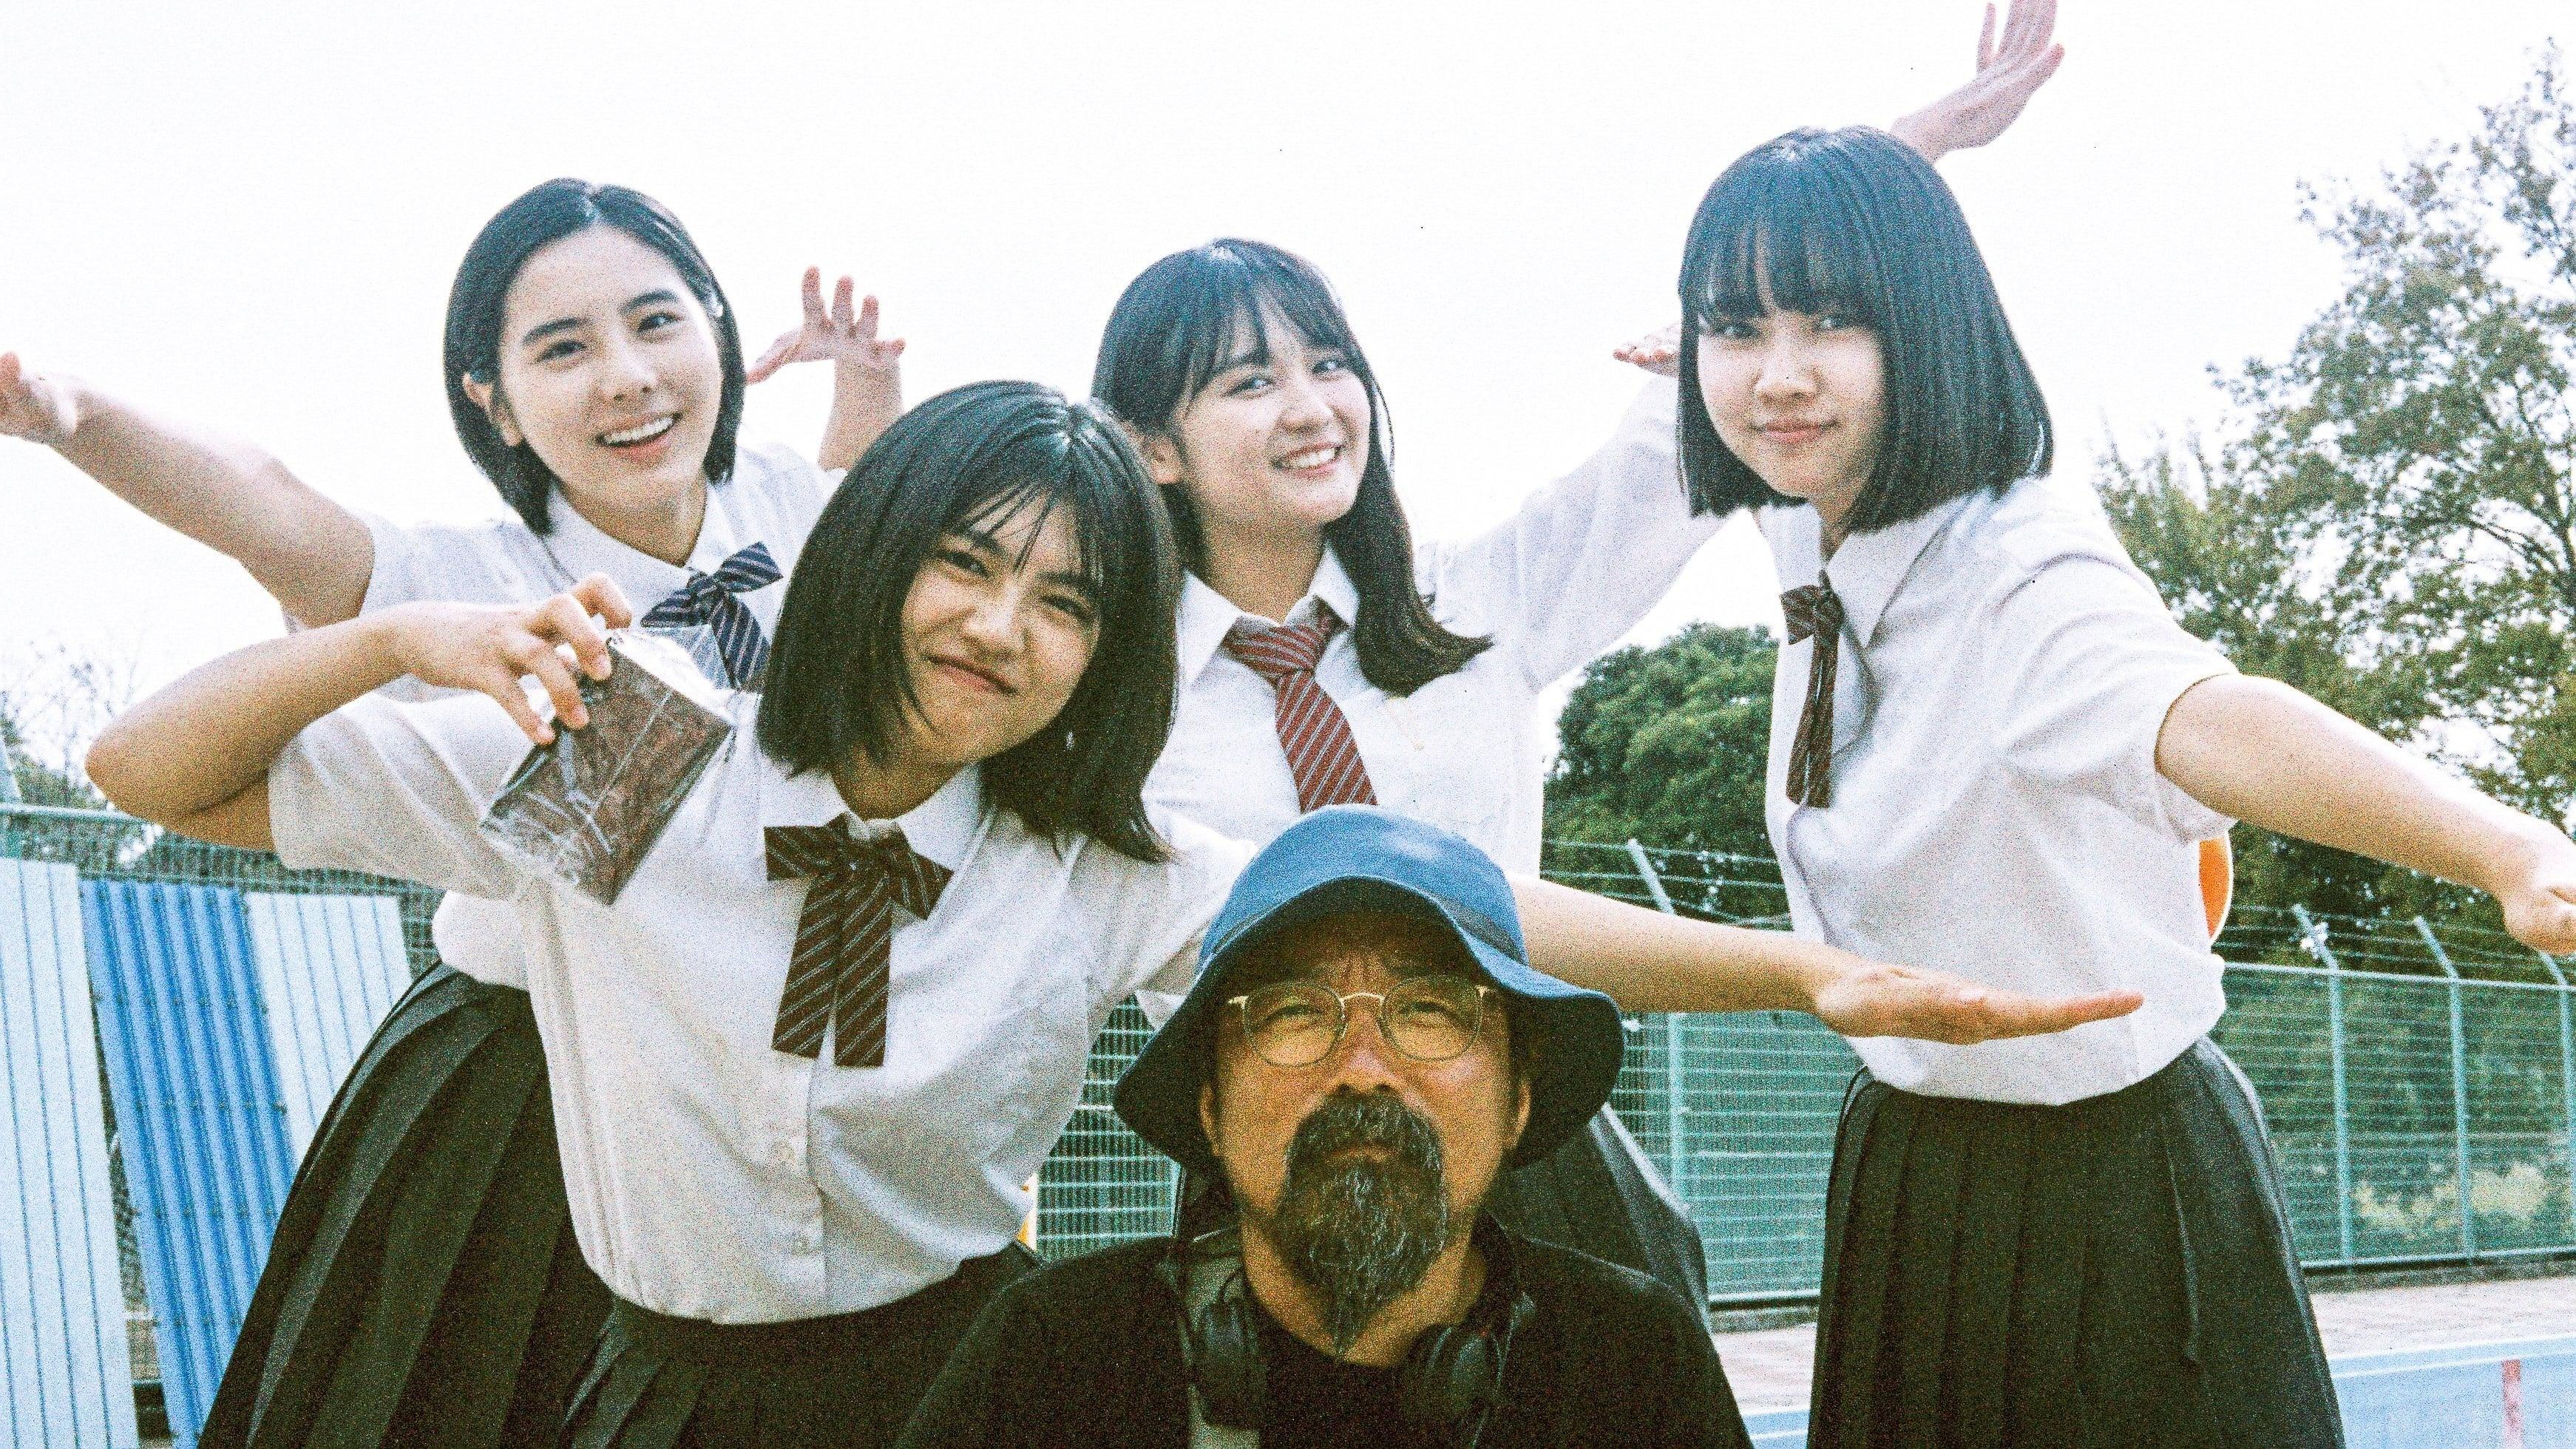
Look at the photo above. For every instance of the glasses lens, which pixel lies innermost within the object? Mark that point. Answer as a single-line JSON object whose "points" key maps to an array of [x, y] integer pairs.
{"points": [[1293, 1024], [1434, 1018]]}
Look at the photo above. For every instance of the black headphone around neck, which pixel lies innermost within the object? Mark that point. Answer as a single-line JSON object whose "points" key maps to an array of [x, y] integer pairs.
{"points": [[1450, 1381]]}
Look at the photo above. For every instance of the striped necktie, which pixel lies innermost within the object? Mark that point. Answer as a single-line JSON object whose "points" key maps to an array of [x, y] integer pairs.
{"points": [[1814, 610], [1322, 757], [708, 599], [839, 972]]}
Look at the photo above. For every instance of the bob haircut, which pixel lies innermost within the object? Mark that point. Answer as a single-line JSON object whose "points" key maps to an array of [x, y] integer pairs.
{"points": [[544, 214], [1856, 221], [1196, 313], [838, 679]]}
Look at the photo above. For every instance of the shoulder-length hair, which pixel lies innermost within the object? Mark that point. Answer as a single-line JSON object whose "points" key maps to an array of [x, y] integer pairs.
{"points": [[1182, 322], [1856, 221], [838, 679], [548, 213]]}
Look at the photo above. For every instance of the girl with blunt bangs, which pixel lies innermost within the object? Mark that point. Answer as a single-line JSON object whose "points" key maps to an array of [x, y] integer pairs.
{"points": [[422, 1285], [1993, 751], [877, 932], [1328, 656]]}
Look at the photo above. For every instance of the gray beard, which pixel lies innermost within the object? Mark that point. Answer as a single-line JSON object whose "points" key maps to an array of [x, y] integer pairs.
{"points": [[1361, 1232]]}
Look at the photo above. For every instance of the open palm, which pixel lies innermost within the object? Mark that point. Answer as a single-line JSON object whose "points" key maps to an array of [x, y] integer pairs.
{"points": [[840, 335]]}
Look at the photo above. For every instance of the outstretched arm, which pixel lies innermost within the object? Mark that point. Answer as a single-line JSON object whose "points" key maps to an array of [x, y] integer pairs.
{"points": [[2009, 72], [312, 555], [867, 374], [195, 756], [1648, 961], [2266, 754]]}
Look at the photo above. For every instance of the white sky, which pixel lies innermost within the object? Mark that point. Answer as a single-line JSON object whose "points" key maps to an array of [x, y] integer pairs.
{"points": [[253, 223]]}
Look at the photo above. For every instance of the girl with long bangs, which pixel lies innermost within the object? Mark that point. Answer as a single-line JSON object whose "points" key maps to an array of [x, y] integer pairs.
{"points": [[808, 1057], [422, 1285], [1328, 657], [1993, 751]]}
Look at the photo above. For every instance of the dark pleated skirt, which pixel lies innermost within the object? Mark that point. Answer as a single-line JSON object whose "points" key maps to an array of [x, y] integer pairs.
{"points": [[423, 1287], [848, 1381], [2115, 1271]]}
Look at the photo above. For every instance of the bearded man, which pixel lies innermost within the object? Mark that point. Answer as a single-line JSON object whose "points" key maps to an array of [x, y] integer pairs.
{"points": [[1365, 1051]]}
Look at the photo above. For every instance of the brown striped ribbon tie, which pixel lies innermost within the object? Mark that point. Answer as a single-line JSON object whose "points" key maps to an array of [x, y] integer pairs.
{"points": [[839, 974], [1322, 756], [1813, 610]]}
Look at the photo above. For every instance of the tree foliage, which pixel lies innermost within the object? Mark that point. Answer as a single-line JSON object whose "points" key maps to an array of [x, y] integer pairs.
{"points": [[2390, 520], [1666, 744]]}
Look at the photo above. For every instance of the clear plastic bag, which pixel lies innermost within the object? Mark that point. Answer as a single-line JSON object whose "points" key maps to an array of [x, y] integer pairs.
{"points": [[587, 808]]}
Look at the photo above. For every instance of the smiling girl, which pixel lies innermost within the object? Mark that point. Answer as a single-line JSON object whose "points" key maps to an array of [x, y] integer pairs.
{"points": [[1995, 752], [422, 1285]]}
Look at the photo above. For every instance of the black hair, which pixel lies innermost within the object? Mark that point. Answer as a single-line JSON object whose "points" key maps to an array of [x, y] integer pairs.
{"points": [[544, 214], [1857, 221], [1175, 327], [838, 680]]}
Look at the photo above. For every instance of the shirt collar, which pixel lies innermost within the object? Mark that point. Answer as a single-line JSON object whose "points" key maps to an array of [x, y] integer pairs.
{"points": [[1868, 569], [941, 828], [584, 549], [1207, 616]]}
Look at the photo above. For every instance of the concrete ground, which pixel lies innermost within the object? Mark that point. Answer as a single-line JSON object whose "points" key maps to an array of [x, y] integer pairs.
{"points": [[1770, 1368]]}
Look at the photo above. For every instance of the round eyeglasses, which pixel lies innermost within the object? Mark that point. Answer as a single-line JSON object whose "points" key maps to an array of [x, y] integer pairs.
{"points": [[1298, 1023]]}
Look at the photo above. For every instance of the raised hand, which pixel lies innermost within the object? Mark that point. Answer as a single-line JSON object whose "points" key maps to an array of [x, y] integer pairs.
{"points": [[2540, 905], [1658, 352], [2010, 70], [33, 406], [1880, 1000], [490, 648], [839, 336]]}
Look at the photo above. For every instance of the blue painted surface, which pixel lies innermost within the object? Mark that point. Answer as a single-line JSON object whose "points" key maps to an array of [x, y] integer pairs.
{"points": [[65, 1375], [198, 1106], [330, 968]]}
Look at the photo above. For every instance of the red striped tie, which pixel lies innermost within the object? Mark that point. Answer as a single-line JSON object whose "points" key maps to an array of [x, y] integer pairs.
{"points": [[839, 973], [1322, 756]]}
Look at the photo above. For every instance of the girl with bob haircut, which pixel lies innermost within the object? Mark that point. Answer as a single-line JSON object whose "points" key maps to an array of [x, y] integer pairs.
{"points": [[422, 1285], [798, 1119], [2060, 1240], [1328, 657]]}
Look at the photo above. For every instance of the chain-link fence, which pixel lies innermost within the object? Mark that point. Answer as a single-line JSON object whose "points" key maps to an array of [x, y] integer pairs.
{"points": [[2395, 1063]]}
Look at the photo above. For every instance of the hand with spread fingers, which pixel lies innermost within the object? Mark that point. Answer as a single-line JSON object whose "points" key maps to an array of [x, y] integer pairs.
{"points": [[1881, 1000], [34, 406], [490, 648], [867, 372], [2010, 70]]}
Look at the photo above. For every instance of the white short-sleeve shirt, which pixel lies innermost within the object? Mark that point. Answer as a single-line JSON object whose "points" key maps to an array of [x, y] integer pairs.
{"points": [[772, 499], [1580, 563], [1996, 807], [711, 1176]]}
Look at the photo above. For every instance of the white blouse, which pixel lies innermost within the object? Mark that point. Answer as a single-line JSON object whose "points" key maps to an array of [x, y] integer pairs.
{"points": [[772, 499], [1996, 810], [1581, 562], [711, 1176]]}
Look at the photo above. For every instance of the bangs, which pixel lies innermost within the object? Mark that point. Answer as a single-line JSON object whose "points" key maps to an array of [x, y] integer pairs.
{"points": [[1783, 237], [1227, 303]]}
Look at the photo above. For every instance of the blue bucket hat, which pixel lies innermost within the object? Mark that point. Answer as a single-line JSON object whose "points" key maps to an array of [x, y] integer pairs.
{"points": [[1357, 858]]}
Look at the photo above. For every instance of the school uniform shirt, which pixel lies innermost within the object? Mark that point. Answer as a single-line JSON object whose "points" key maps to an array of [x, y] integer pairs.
{"points": [[710, 1176], [1996, 810], [772, 499], [1580, 563]]}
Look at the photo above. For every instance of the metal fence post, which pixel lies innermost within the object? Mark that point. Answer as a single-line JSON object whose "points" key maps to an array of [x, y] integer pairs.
{"points": [[2314, 936], [1676, 1115], [2459, 1086], [2566, 1076]]}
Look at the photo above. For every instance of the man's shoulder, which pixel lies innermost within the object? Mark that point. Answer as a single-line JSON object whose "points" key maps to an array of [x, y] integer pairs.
{"points": [[1078, 1289], [1563, 1281]]}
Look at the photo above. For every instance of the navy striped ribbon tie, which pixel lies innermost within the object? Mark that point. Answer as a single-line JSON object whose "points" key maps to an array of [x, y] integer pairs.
{"points": [[839, 974], [1322, 756], [708, 599]]}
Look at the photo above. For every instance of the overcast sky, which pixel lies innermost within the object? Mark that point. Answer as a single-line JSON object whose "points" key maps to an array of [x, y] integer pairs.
{"points": [[253, 223]]}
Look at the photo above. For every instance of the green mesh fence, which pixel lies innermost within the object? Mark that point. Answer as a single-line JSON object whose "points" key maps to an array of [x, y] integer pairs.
{"points": [[2394, 1063]]}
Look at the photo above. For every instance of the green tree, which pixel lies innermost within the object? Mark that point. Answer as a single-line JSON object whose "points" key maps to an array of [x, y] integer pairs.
{"points": [[1666, 745], [2390, 522]]}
